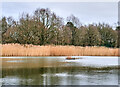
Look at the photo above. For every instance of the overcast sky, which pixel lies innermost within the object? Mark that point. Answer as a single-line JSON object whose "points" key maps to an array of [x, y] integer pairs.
{"points": [[87, 12]]}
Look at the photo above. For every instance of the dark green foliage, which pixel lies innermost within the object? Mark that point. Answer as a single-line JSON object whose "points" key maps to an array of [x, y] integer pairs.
{"points": [[45, 27]]}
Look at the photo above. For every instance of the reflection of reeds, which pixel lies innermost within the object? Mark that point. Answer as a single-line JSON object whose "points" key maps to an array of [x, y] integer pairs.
{"points": [[36, 50], [29, 63], [37, 63]]}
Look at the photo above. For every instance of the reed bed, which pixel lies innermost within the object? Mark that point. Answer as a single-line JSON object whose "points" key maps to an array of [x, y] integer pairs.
{"points": [[51, 50]]}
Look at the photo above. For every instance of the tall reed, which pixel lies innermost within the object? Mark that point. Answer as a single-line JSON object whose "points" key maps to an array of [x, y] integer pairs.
{"points": [[51, 50]]}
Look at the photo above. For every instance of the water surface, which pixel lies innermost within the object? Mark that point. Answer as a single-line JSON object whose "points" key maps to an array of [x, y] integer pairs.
{"points": [[58, 71]]}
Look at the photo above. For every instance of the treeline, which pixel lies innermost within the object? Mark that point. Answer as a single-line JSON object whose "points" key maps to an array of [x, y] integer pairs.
{"points": [[45, 27]]}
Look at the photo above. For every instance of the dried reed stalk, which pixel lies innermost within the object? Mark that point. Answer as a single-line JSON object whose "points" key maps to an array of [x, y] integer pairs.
{"points": [[51, 50]]}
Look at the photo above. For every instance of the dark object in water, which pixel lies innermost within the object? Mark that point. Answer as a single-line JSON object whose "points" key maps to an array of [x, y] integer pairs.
{"points": [[70, 58]]}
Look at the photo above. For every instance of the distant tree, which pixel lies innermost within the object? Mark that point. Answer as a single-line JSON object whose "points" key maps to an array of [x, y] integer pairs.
{"points": [[118, 34], [74, 20], [50, 22], [93, 36], [67, 35], [108, 36], [4, 25], [0, 31], [30, 31], [56, 24], [73, 31], [82, 38], [45, 27], [11, 22], [43, 15], [8, 30]]}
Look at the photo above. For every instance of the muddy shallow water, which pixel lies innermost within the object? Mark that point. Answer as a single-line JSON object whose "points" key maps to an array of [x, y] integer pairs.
{"points": [[58, 71]]}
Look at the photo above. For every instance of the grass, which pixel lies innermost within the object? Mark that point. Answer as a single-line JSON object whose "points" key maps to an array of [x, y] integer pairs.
{"points": [[51, 50]]}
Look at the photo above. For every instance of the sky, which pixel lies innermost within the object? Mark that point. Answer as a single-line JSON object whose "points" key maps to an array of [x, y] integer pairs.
{"points": [[87, 12]]}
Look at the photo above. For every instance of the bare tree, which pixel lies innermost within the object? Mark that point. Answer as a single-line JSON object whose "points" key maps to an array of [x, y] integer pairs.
{"points": [[74, 20]]}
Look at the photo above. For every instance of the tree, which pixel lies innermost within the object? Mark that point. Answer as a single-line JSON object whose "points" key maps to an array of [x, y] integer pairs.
{"points": [[45, 27], [82, 38], [4, 25], [108, 36], [73, 31], [118, 36], [29, 30], [74, 20], [43, 15], [93, 36], [8, 30], [51, 22], [67, 35]]}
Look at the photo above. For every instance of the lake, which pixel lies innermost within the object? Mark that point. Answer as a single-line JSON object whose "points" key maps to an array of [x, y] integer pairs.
{"points": [[87, 70]]}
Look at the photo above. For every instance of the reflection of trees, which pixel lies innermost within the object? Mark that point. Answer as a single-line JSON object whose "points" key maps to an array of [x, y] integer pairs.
{"points": [[47, 75]]}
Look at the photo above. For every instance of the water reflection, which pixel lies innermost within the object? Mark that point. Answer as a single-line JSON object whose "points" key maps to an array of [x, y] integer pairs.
{"points": [[43, 71]]}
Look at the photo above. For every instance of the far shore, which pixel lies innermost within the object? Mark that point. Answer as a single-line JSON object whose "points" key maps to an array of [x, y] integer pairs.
{"points": [[56, 50]]}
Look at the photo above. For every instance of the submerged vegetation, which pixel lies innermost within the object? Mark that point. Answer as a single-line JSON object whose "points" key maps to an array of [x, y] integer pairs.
{"points": [[53, 50], [44, 27]]}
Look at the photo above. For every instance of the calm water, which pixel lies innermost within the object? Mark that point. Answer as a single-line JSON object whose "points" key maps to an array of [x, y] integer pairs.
{"points": [[59, 71]]}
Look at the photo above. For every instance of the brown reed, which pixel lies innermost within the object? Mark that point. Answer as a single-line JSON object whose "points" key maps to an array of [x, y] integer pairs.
{"points": [[52, 50]]}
